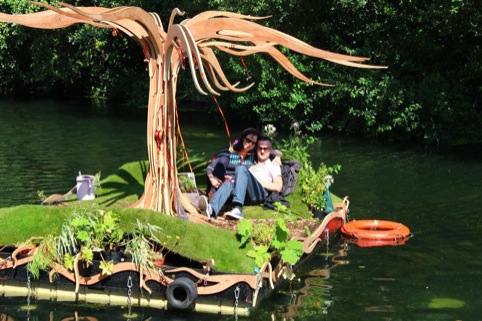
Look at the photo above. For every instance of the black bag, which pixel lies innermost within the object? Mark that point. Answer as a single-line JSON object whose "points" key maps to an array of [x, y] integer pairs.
{"points": [[289, 171]]}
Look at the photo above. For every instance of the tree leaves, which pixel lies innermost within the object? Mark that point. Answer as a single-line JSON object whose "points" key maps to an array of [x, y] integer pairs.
{"points": [[431, 91]]}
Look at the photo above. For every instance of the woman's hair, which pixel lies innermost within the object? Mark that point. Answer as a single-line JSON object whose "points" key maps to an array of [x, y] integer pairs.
{"points": [[238, 146]]}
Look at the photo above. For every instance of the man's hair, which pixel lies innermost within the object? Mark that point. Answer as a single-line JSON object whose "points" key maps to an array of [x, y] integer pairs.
{"points": [[265, 139]]}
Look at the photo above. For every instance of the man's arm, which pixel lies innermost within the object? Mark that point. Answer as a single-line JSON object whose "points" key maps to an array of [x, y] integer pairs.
{"points": [[275, 186]]}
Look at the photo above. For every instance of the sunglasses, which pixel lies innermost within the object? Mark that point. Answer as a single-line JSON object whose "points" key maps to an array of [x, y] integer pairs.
{"points": [[249, 141], [262, 149]]}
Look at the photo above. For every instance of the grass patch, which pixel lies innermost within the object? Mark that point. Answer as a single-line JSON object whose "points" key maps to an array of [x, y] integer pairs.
{"points": [[197, 242]]}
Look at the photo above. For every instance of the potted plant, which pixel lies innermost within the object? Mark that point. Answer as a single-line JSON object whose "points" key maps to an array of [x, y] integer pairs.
{"points": [[93, 235], [315, 186], [145, 248]]}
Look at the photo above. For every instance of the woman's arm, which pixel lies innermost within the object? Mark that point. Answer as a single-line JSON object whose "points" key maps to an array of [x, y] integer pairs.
{"points": [[216, 170], [275, 156]]}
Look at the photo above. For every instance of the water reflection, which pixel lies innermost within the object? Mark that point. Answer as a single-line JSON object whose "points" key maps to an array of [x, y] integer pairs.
{"points": [[314, 293], [76, 317], [18, 309], [70, 312], [5, 317], [53, 315], [374, 243]]}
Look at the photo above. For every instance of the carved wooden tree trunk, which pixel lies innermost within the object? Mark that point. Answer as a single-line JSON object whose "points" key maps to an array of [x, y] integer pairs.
{"points": [[161, 178], [161, 188], [192, 41]]}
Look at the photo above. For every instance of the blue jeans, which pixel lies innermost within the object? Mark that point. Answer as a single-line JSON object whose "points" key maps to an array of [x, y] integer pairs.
{"points": [[245, 190]]}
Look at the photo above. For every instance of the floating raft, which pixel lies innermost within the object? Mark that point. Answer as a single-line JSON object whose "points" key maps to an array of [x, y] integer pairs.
{"points": [[184, 287]]}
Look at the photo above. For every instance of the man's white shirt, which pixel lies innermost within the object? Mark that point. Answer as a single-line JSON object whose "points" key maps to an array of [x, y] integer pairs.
{"points": [[265, 172]]}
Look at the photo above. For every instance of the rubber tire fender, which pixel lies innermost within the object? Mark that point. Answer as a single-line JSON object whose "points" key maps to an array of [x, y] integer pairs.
{"points": [[181, 294]]}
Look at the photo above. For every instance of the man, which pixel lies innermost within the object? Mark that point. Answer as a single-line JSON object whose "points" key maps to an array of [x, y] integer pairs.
{"points": [[249, 185]]}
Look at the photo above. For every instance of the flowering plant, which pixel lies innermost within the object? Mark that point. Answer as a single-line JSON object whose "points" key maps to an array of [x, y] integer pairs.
{"points": [[270, 131], [296, 146]]}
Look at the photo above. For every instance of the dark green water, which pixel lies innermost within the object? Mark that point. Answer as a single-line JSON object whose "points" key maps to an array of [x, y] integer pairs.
{"points": [[436, 275], [43, 145]]}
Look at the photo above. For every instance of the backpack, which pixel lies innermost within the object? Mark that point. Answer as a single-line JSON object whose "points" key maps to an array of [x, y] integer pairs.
{"points": [[289, 171]]}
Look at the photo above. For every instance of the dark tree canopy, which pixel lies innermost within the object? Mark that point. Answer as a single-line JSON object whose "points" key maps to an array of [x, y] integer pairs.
{"points": [[431, 92]]}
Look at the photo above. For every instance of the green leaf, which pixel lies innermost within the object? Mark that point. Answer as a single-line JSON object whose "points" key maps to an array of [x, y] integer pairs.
{"points": [[83, 236], [295, 245], [245, 230], [289, 256], [69, 261], [446, 303], [87, 254], [107, 267], [260, 255], [281, 234], [292, 252]]}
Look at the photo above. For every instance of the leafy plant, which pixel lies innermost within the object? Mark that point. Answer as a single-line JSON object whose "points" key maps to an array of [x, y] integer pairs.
{"points": [[92, 230], [186, 183], [107, 267], [189, 163], [89, 230], [260, 254], [297, 145], [44, 256], [141, 244], [41, 195], [266, 238], [314, 184]]}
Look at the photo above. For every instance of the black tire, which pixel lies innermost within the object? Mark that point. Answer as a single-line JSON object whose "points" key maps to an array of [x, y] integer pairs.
{"points": [[181, 294]]}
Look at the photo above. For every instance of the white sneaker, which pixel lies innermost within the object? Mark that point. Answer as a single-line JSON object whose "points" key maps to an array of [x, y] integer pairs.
{"points": [[235, 213], [204, 206]]}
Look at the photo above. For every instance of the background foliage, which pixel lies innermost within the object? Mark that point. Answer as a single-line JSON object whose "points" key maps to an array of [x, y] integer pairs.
{"points": [[430, 94]]}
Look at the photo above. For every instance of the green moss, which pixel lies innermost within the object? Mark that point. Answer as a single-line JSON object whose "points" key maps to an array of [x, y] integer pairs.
{"points": [[198, 242]]}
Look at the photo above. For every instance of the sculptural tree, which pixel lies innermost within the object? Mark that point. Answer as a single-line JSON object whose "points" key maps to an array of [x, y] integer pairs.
{"points": [[193, 43]]}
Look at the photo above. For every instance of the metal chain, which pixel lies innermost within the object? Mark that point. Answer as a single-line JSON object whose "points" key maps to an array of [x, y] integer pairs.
{"points": [[28, 294], [203, 280], [129, 294], [205, 277], [236, 302], [162, 277], [327, 235]]}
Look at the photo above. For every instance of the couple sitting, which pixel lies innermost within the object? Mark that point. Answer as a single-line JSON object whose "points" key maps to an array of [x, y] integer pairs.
{"points": [[249, 185]]}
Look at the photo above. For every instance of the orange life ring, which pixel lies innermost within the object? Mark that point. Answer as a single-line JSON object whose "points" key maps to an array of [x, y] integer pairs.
{"points": [[376, 230]]}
